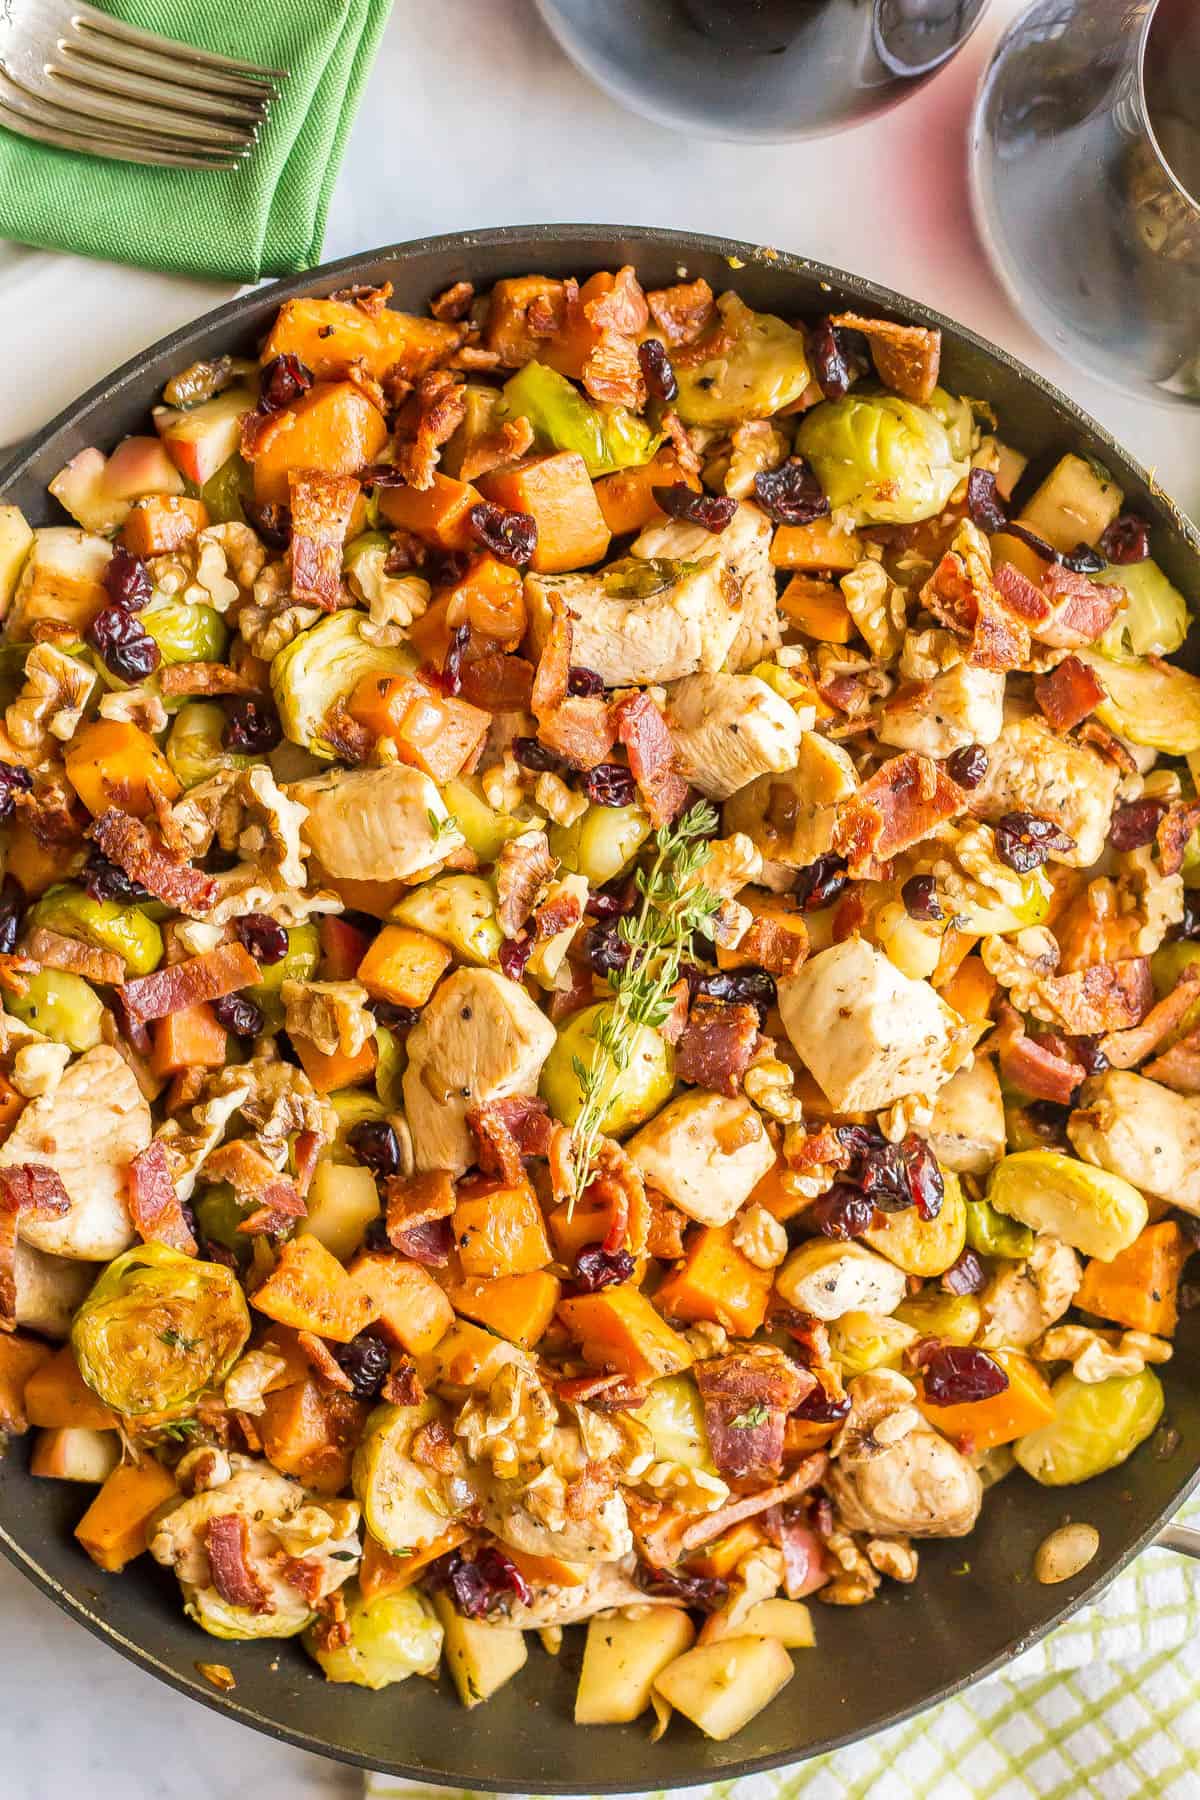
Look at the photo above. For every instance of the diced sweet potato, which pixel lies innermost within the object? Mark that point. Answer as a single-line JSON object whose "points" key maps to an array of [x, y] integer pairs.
{"points": [[619, 1327], [720, 1558], [558, 491], [437, 513], [506, 330], [20, 1358], [625, 497], [309, 1290], [35, 865], [189, 1039], [970, 990], [310, 1432], [717, 1283], [113, 763], [408, 1306], [468, 1356], [329, 336], [382, 1573], [403, 966], [331, 1070], [437, 734], [1024, 1405], [162, 523], [817, 608], [56, 1395], [1139, 1287], [778, 1200], [815, 548], [334, 428], [343, 947], [517, 1307], [553, 1569], [499, 1230], [574, 1226], [114, 1527]]}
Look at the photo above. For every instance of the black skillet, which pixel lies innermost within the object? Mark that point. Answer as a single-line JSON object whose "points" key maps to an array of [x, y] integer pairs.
{"points": [[976, 1603]]}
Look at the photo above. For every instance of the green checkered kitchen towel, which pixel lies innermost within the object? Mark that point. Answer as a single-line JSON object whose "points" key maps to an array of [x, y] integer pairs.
{"points": [[267, 217], [1105, 1708]]}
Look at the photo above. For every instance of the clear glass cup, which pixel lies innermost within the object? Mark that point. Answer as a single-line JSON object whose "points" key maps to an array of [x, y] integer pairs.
{"points": [[1085, 172]]}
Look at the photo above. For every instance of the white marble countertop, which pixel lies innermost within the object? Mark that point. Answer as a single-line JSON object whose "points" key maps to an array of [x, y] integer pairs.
{"points": [[473, 117]]}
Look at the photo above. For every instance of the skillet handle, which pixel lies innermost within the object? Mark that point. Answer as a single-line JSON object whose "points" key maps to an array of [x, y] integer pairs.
{"points": [[1183, 1538]]}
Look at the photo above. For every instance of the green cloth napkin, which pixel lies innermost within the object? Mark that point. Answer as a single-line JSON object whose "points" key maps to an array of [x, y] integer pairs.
{"points": [[267, 217]]}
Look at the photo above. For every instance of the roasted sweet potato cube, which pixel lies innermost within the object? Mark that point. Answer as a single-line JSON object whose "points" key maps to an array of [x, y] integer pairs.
{"points": [[333, 428], [517, 1307], [113, 763], [438, 513], [403, 966], [558, 491], [717, 1283], [310, 1290], [408, 1306], [162, 523], [310, 1432], [619, 1327], [114, 1527], [329, 336], [20, 1358], [499, 1230]]}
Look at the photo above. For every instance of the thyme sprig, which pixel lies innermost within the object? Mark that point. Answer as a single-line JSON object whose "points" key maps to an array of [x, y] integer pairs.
{"points": [[675, 905]]}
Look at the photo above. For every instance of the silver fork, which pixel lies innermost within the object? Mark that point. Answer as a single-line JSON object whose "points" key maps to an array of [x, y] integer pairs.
{"points": [[73, 77]]}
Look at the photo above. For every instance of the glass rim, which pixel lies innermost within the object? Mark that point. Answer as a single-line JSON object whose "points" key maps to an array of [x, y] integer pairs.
{"points": [[1147, 26]]}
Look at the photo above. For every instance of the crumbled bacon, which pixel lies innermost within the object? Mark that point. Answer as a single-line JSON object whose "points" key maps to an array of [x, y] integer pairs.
{"points": [[1108, 745], [1068, 693], [747, 1396], [906, 357], [802, 1479], [664, 1237], [523, 869], [322, 506], [403, 1387], [322, 1359], [508, 1130], [962, 595], [900, 805], [306, 1153], [1020, 596], [154, 1205], [603, 1393], [778, 948], [187, 678], [305, 1575], [414, 1200], [364, 298], [332, 1629], [643, 730], [14, 973], [687, 457], [617, 1184], [551, 680], [1179, 1066], [612, 374], [454, 303], [821, 1149], [553, 916], [227, 1540], [126, 842], [1107, 996], [53, 951], [581, 730], [251, 1176], [1125, 1049], [804, 1569], [1031, 1065], [507, 443], [1083, 609], [716, 1045], [433, 415], [24, 1188], [682, 312], [209, 976], [1174, 834]]}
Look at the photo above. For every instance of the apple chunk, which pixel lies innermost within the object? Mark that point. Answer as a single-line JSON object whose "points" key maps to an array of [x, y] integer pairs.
{"points": [[202, 439], [75, 1453], [98, 490], [16, 538], [62, 579], [622, 1658], [720, 1687]]}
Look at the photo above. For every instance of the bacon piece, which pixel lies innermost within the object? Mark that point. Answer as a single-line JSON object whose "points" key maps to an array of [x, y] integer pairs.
{"points": [[647, 740], [822, 1149], [523, 868], [552, 676], [1108, 745], [306, 1152], [13, 973], [672, 1026], [687, 457], [434, 414], [611, 373], [1068, 694], [1125, 1049], [716, 1046], [682, 312], [53, 951], [24, 1188], [664, 1236], [778, 948], [126, 842], [252, 1177], [1083, 609], [1174, 834], [403, 1386], [227, 1540], [414, 1200], [623, 307], [1178, 1067], [581, 730], [617, 1184], [509, 1129], [454, 303], [364, 298], [802, 1479], [305, 1575], [322, 506], [431, 1244], [1107, 996], [497, 681], [322, 1359], [901, 804], [556, 915], [961, 594], [1020, 596], [603, 1393], [510, 441], [206, 678], [747, 1396], [906, 357], [154, 1205], [1031, 1065], [209, 976]]}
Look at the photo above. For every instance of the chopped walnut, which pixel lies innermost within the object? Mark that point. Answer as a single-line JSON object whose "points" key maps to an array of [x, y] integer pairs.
{"points": [[684, 1485], [272, 619], [557, 800], [38, 1068], [705, 1340], [243, 550], [876, 605], [513, 1423], [768, 1084], [912, 1113], [394, 600], [894, 1557], [246, 811], [138, 706], [332, 1015], [51, 701], [755, 447], [249, 1380], [504, 784], [1019, 964], [925, 654], [760, 1237], [1154, 899], [1095, 1355], [858, 1581], [881, 1414]]}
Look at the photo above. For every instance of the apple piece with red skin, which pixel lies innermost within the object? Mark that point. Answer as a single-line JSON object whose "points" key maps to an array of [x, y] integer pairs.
{"points": [[98, 490], [201, 439]]}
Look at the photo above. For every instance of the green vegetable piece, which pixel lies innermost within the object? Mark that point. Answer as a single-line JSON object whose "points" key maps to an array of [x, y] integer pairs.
{"points": [[630, 1095], [955, 1318], [861, 1341], [1151, 703], [186, 631], [194, 748], [602, 841], [486, 831], [958, 419], [125, 929], [60, 1005], [886, 460], [765, 368], [1095, 1212], [391, 1637], [1166, 966], [673, 1414], [224, 492], [324, 665], [980, 910], [1096, 1426], [352, 1107], [1155, 622], [563, 418], [158, 1328], [459, 910], [391, 1060], [219, 1212], [990, 1233], [401, 1502], [297, 963]]}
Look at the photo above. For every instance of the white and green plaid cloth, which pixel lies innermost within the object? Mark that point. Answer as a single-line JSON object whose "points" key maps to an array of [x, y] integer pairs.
{"points": [[1107, 1706]]}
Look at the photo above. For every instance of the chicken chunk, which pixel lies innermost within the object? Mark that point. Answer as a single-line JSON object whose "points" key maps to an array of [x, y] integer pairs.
{"points": [[745, 549], [598, 1534], [1032, 769], [967, 1131], [638, 622], [1137, 1128], [1025, 1298], [49, 1290], [920, 1486], [791, 816], [88, 1130], [480, 1038], [963, 705], [829, 1280], [376, 824], [705, 1152], [868, 1034], [729, 729], [607, 1586]]}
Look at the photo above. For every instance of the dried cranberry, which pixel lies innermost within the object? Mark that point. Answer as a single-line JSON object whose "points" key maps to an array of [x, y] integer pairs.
{"points": [[822, 1408], [606, 950], [251, 726], [104, 880], [510, 536], [1083, 560], [609, 784], [919, 895], [1087, 1051], [956, 1375], [967, 766], [1024, 841], [966, 1276], [828, 359], [534, 756], [375, 1143], [739, 987], [513, 955], [820, 883], [394, 1017], [883, 1174], [127, 580], [657, 372], [584, 682], [791, 494], [284, 379], [1135, 824], [431, 1243], [479, 1587], [701, 1593], [126, 647], [449, 677], [984, 506], [264, 937], [842, 1212], [859, 1140], [272, 520], [924, 1177], [712, 512], [239, 1015], [12, 905], [1189, 924], [384, 475], [1126, 540], [14, 780], [596, 1268], [613, 900], [366, 1360]]}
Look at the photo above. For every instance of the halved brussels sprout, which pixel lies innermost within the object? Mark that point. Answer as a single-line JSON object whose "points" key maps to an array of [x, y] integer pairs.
{"points": [[485, 830], [1155, 622], [764, 369], [886, 460], [194, 748], [673, 1414], [297, 963], [563, 418], [402, 1506], [392, 1637], [861, 1341], [391, 1060], [957, 418], [1095, 1212], [979, 910], [223, 492], [186, 631], [990, 1233], [1151, 703], [1166, 966], [240, 1624], [459, 910], [953, 1317], [324, 665], [924, 1246], [60, 1005], [158, 1328], [602, 841], [125, 929], [631, 1095], [1096, 1425]]}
